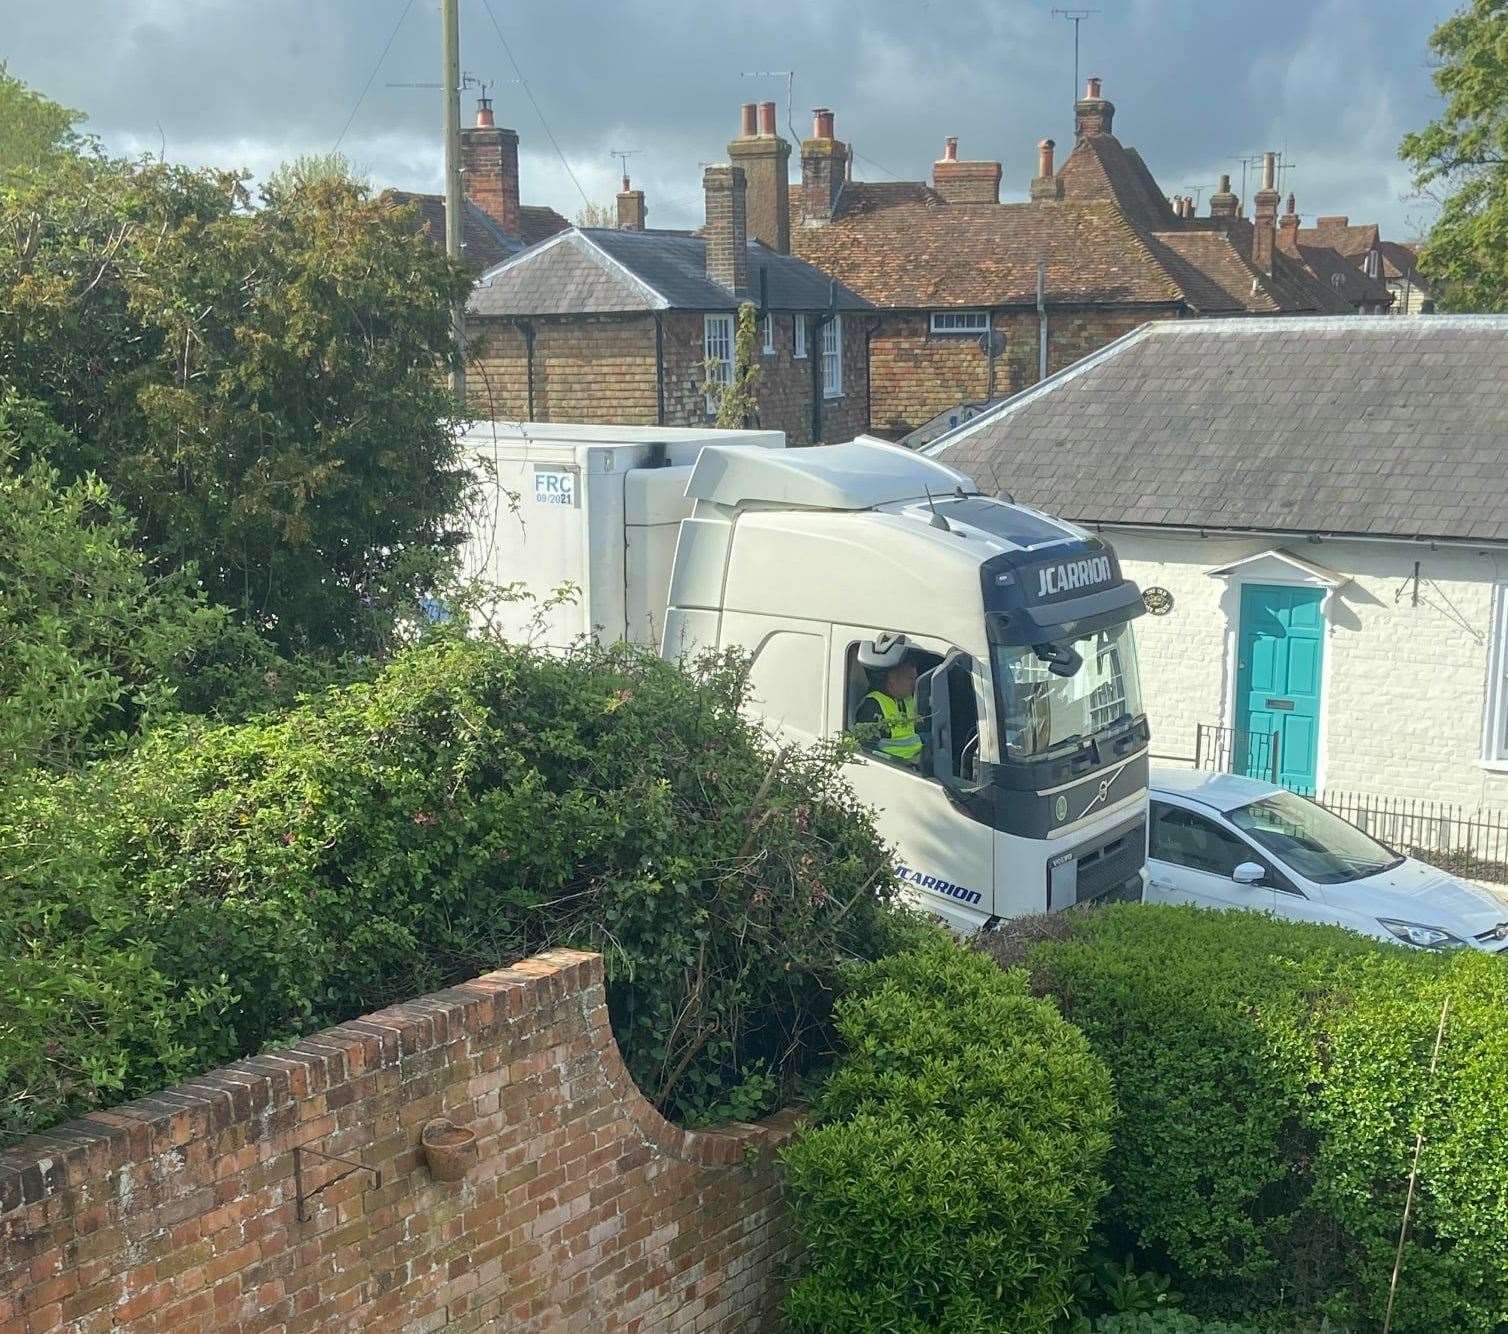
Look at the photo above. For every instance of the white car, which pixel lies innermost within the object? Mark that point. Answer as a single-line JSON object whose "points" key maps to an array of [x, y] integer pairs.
{"points": [[1222, 841]]}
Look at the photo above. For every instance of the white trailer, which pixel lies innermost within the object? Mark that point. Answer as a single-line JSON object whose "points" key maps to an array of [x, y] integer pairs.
{"points": [[1030, 794]]}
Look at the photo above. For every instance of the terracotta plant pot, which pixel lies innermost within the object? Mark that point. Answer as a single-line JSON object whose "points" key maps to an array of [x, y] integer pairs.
{"points": [[449, 1149]]}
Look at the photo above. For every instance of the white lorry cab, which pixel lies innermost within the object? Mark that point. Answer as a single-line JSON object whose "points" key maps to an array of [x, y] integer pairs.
{"points": [[1029, 791]]}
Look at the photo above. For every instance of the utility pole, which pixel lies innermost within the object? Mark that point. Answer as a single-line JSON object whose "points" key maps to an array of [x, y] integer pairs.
{"points": [[1075, 17], [450, 47]]}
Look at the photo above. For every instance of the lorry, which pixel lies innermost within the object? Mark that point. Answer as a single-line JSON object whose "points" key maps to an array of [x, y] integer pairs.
{"points": [[1030, 791]]}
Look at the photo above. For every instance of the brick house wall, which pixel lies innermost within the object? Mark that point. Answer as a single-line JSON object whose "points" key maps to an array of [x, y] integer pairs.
{"points": [[915, 374], [1404, 687], [585, 1211], [601, 370]]}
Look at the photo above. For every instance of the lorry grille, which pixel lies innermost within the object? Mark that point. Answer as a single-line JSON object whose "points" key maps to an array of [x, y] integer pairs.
{"points": [[1109, 866]]}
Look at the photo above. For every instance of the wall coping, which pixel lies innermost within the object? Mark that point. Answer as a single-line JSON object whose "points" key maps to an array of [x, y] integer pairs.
{"points": [[44, 1165]]}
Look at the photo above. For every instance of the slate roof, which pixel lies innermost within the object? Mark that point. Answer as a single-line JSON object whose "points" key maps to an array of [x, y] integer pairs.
{"points": [[483, 242], [1371, 425], [594, 270], [909, 250]]}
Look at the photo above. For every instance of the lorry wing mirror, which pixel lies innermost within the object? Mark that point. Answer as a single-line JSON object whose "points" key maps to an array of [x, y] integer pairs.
{"points": [[934, 709]]}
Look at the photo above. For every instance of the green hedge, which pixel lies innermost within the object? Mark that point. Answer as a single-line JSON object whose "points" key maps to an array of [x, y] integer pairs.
{"points": [[1167, 1322], [1270, 1079], [227, 887], [952, 1178]]}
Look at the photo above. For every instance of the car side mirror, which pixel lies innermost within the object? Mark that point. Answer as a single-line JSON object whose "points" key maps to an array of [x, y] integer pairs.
{"points": [[1249, 873]]}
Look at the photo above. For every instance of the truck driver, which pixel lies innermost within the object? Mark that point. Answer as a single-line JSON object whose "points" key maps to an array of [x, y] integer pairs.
{"points": [[888, 660]]}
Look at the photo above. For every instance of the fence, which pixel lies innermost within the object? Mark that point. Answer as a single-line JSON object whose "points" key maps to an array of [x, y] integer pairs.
{"points": [[1228, 751], [1472, 843]]}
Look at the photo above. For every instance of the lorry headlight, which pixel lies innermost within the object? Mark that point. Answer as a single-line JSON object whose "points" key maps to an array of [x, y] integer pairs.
{"points": [[1425, 937]]}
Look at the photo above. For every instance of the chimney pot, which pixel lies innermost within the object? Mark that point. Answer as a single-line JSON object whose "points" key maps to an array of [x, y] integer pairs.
{"points": [[1269, 171], [767, 118], [1093, 114], [822, 123], [1044, 157], [1092, 88], [950, 148], [748, 120], [484, 113], [1223, 204], [1045, 185]]}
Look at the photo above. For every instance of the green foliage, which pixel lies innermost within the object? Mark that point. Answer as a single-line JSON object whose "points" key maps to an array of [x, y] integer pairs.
{"points": [[262, 389], [1462, 158], [737, 401], [34, 130], [1167, 1322], [1271, 1078], [226, 886], [952, 1178], [91, 640]]}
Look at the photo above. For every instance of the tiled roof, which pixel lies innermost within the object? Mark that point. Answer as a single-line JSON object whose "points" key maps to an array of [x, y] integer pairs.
{"points": [[483, 242], [1101, 167], [906, 249], [1336, 274], [601, 270], [1351, 240], [1361, 424]]}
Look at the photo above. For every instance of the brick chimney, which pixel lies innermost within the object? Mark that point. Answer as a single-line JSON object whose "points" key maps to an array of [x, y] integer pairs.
{"points": [[765, 158], [1223, 203], [1333, 220], [1093, 114], [631, 210], [824, 168], [1265, 200], [1045, 185], [727, 230], [1288, 227], [965, 182], [489, 168]]}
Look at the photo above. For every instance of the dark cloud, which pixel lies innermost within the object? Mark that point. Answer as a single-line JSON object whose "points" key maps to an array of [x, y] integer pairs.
{"points": [[1196, 82]]}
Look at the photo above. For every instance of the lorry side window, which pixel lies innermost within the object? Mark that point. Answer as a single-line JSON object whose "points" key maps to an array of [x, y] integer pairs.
{"points": [[786, 679]]}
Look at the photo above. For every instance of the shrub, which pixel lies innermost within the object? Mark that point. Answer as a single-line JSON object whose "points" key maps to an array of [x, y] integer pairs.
{"points": [[1166, 1322], [237, 885], [952, 1176], [1271, 1078]]}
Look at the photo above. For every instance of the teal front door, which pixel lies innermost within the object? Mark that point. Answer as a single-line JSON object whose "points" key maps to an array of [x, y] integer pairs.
{"points": [[1279, 654]]}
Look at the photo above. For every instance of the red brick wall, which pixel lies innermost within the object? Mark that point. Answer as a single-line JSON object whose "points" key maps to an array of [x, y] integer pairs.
{"points": [[585, 1210], [915, 374]]}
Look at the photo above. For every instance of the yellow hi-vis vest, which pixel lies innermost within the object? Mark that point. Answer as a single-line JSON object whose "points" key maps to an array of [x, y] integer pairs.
{"points": [[903, 742]]}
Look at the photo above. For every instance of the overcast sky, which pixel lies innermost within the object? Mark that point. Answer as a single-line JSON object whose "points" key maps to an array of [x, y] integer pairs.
{"points": [[1196, 83]]}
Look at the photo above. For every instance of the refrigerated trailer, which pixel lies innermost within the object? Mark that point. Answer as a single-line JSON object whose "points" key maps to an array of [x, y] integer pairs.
{"points": [[1030, 791]]}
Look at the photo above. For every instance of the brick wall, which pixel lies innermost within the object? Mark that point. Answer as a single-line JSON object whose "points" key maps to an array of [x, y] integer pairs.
{"points": [[1404, 686], [915, 374], [594, 369], [584, 1211]]}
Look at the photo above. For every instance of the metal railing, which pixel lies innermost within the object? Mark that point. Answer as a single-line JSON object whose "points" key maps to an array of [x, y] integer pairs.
{"points": [[1229, 751], [1466, 841]]}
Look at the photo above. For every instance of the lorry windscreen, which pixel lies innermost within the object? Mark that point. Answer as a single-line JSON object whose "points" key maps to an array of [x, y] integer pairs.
{"points": [[1043, 712]]}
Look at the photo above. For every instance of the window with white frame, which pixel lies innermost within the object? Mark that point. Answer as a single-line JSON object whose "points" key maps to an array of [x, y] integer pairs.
{"points": [[832, 358], [798, 337], [717, 352], [769, 335], [1495, 732], [960, 321]]}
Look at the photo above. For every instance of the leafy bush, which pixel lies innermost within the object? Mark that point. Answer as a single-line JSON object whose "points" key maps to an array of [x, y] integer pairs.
{"points": [[224, 887], [1271, 1078], [1166, 1322], [952, 1177]]}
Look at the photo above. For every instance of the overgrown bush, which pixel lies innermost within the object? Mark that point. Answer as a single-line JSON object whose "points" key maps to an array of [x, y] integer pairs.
{"points": [[1167, 1322], [224, 887], [1271, 1078], [952, 1177]]}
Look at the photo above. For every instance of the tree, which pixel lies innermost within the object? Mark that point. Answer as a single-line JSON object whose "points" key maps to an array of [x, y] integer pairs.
{"points": [[263, 389], [1462, 159], [91, 638], [309, 169], [33, 128], [597, 215]]}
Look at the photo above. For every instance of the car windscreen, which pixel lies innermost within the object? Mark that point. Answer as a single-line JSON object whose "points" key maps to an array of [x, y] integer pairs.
{"points": [[1313, 841]]}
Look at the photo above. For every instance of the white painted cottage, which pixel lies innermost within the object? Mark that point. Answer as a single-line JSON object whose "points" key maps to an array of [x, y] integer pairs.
{"points": [[1317, 512]]}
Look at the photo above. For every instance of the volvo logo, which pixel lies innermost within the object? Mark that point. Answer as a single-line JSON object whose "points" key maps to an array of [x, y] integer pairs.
{"points": [[1060, 808]]}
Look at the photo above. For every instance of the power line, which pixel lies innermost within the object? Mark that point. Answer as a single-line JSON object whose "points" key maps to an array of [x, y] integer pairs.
{"points": [[366, 87], [529, 93], [894, 175]]}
